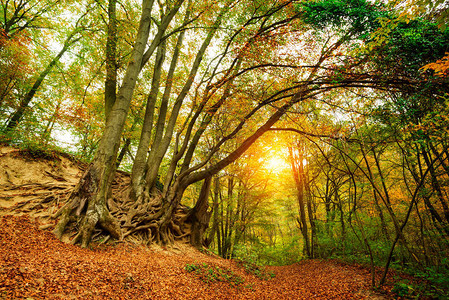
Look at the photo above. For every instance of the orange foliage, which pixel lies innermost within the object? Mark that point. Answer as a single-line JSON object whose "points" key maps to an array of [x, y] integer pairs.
{"points": [[441, 66], [14, 65]]}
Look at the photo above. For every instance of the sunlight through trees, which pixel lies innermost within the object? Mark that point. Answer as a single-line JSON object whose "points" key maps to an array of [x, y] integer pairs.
{"points": [[271, 130]]}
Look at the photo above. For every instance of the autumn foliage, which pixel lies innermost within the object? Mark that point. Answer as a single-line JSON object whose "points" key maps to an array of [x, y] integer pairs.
{"points": [[273, 131]]}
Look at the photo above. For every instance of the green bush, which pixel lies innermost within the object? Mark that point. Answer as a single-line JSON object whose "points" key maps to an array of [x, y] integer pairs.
{"points": [[209, 274], [402, 289], [256, 270], [438, 281], [261, 254]]}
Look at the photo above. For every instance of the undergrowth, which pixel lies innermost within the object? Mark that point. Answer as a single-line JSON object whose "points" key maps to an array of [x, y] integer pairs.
{"points": [[428, 283], [436, 287], [210, 274], [256, 270]]}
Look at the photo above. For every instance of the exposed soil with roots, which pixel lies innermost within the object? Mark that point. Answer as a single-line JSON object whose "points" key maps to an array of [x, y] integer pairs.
{"points": [[39, 184]]}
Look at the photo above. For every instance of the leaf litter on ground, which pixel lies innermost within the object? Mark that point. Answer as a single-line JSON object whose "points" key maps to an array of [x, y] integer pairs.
{"points": [[34, 264]]}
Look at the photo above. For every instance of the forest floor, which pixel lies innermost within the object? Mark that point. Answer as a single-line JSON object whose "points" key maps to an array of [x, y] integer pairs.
{"points": [[34, 264]]}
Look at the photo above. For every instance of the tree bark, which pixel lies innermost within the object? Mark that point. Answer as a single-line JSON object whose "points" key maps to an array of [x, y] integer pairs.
{"points": [[110, 87], [199, 216], [138, 169], [311, 214], [296, 162], [90, 195], [158, 150], [214, 228]]}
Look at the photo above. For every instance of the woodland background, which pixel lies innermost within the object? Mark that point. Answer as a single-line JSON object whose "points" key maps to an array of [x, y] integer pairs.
{"points": [[266, 130]]}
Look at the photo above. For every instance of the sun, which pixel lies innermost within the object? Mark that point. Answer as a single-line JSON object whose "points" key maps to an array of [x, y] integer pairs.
{"points": [[276, 164]]}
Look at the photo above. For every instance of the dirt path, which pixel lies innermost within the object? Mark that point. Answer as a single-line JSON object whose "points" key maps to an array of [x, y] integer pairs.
{"points": [[35, 265]]}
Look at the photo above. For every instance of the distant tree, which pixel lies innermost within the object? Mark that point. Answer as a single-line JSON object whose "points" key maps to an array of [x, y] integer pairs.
{"points": [[297, 158], [28, 18]]}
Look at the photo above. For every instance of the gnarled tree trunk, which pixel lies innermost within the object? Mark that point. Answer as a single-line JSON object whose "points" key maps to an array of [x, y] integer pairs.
{"points": [[199, 216]]}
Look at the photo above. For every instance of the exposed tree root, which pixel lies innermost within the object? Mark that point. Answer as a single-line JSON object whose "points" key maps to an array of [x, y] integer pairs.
{"points": [[34, 198], [144, 220], [139, 222]]}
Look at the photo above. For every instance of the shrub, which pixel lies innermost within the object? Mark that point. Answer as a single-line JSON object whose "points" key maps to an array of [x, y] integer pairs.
{"points": [[209, 274]]}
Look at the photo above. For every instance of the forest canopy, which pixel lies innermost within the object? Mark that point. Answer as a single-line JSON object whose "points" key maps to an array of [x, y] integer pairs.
{"points": [[275, 130]]}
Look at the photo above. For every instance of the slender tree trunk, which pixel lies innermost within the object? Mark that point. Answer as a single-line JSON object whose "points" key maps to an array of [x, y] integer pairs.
{"points": [[158, 150], [24, 103], [228, 226], [327, 204], [214, 228], [110, 88], [296, 161], [138, 169], [122, 152], [220, 236], [49, 128], [386, 198], [339, 204], [311, 215], [435, 183]]}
